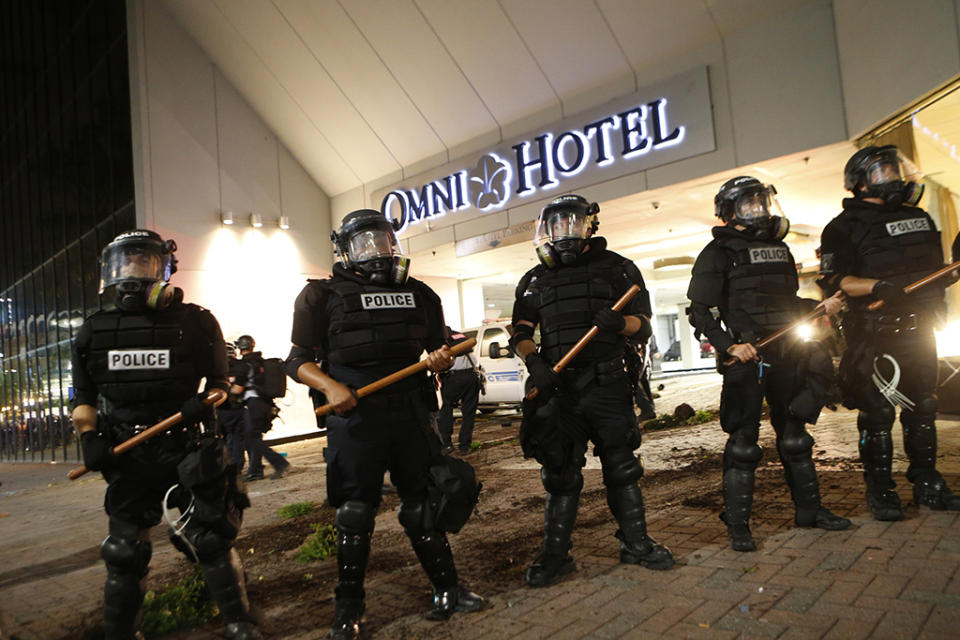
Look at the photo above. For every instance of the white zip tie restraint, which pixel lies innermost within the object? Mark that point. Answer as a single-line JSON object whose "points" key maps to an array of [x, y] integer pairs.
{"points": [[176, 528], [888, 388]]}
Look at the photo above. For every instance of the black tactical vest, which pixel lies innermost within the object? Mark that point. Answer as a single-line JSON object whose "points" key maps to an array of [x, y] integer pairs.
{"points": [[568, 297], [902, 246], [372, 325], [762, 286], [143, 363]]}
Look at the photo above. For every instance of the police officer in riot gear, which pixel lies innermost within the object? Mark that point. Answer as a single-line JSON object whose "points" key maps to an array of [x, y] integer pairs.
{"points": [[230, 414], [144, 354], [879, 243], [365, 322], [748, 274], [573, 288], [258, 414]]}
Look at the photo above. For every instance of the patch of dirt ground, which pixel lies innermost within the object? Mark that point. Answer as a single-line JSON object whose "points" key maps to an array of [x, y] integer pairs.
{"points": [[492, 551]]}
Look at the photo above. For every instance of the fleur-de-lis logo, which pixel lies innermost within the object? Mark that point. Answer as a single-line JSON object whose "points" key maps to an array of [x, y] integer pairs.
{"points": [[492, 176]]}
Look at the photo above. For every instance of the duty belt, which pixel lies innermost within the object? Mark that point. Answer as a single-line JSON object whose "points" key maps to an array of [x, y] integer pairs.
{"points": [[390, 400], [604, 372], [890, 324]]}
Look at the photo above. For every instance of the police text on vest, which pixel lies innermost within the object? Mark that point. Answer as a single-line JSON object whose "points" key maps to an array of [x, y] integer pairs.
{"points": [[769, 254], [401, 300], [132, 359], [912, 225]]}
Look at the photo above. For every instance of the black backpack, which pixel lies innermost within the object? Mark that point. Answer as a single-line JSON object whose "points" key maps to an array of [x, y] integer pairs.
{"points": [[269, 378]]}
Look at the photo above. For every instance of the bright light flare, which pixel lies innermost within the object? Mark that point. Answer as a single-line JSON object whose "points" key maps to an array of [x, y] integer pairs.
{"points": [[805, 331], [948, 340]]}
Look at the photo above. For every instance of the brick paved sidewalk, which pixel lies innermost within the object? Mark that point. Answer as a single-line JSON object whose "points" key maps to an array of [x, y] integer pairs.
{"points": [[878, 580]]}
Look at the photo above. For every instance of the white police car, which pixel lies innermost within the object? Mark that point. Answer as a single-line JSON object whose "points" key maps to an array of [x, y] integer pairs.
{"points": [[505, 372]]}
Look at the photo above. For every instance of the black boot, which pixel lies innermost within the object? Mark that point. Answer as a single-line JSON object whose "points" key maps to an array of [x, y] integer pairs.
{"points": [[876, 454], [224, 576], [449, 596], [737, 503], [126, 552], [796, 448], [448, 601], [636, 547], [931, 490], [554, 561], [346, 619], [355, 522]]}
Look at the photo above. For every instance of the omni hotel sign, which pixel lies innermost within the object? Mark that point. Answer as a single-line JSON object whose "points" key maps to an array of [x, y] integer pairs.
{"points": [[652, 127]]}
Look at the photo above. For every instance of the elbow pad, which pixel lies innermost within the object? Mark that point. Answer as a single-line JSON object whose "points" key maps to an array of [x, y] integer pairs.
{"points": [[521, 332]]}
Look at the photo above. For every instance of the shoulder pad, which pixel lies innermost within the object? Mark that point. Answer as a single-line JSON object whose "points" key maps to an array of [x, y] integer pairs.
{"points": [[527, 278]]}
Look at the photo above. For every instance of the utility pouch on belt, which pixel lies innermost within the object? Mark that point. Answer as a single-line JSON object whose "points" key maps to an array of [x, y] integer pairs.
{"points": [[219, 498]]}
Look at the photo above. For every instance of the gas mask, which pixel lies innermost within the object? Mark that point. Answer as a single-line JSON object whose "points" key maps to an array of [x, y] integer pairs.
{"points": [[563, 228], [881, 172], [136, 268], [367, 243], [747, 202]]}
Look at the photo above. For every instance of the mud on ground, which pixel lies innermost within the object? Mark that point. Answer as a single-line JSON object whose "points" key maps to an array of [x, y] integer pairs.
{"points": [[492, 551]]}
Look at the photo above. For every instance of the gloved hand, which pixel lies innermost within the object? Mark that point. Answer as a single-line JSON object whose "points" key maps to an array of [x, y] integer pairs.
{"points": [[194, 410], [888, 292], [609, 320], [97, 454], [541, 374]]}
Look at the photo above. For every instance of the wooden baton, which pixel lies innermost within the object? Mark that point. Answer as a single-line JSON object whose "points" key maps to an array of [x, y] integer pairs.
{"points": [[773, 337], [587, 337], [456, 350], [922, 282], [214, 397]]}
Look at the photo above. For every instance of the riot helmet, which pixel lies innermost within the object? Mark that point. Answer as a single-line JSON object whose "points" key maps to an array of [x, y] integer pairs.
{"points": [[747, 202], [367, 243], [231, 349], [563, 228], [882, 172], [246, 343], [137, 266]]}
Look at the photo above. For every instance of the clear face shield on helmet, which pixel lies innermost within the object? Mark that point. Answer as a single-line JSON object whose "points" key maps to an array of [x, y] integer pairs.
{"points": [[756, 206], [370, 244], [890, 175], [131, 261], [561, 225]]}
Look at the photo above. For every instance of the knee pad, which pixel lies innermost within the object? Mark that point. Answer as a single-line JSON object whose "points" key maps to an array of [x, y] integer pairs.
{"points": [[742, 454], [412, 515], [355, 516], [564, 481], [878, 418], [796, 444], [124, 551], [620, 468], [206, 544], [925, 407]]}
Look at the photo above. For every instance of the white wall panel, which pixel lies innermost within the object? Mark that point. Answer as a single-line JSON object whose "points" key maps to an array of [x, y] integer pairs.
{"points": [[249, 174], [343, 52], [309, 86], [784, 84], [416, 57], [497, 63], [248, 73], [573, 45], [891, 53]]}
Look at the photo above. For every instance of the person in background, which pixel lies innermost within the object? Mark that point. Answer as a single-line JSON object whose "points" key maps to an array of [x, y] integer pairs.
{"points": [[258, 414], [459, 384]]}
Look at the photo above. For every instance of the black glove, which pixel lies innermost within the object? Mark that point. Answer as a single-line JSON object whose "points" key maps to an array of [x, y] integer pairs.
{"points": [[541, 374], [610, 320], [97, 454], [194, 410], [888, 292]]}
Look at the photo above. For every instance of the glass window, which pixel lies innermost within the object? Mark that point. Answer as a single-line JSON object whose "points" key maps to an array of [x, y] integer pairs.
{"points": [[494, 334]]}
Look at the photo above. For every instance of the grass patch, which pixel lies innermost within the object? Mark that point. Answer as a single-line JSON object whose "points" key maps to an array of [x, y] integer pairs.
{"points": [[475, 446], [319, 545], [295, 510], [179, 606], [665, 420]]}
